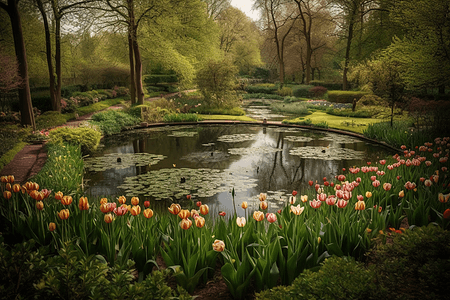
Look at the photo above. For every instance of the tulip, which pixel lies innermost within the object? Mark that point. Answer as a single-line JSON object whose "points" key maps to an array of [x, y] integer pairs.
{"points": [[148, 213], [447, 213], [330, 200], [360, 197], [147, 204], [104, 208], [199, 222], [360, 205], [108, 218], [258, 216], [341, 203], [10, 178], [195, 213], [297, 210], [222, 214], [218, 246], [322, 197], [184, 214], [103, 201], [46, 193], [4, 179], [368, 194], [347, 195], [8, 186], [134, 201], [443, 198], [244, 205], [189, 197], [66, 200], [401, 194], [315, 203], [271, 217], [341, 177], [83, 204], [51, 226], [294, 193], [383, 162], [262, 196], [241, 221], [387, 186], [59, 195], [135, 210], [410, 185], [376, 183], [40, 205], [199, 203], [380, 209], [7, 195], [204, 209], [64, 214], [304, 198], [292, 199], [16, 188], [35, 186], [122, 199], [310, 183], [174, 209], [263, 205], [185, 224], [121, 210]]}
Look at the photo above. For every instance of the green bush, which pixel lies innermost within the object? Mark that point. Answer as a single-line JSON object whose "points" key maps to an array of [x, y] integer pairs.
{"points": [[415, 264], [397, 135], [344, 96], [262, 89], [180, 118], [235, 111], [113, 121], [262, 96], [370, 100], [155, 79], [302, 91], [323, 124], [327, 85], [50, 119], [295, 108], [285, 91], [88, 138], [351, 114], [298, 121]]}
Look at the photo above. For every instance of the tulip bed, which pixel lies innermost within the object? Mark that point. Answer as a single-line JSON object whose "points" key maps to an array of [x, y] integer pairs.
{"points": [[338, 216]]}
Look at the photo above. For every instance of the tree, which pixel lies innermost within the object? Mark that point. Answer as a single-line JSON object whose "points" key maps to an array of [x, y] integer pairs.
{"points": [[26, 107], [279, 18], [9, 73], [214, 8]]}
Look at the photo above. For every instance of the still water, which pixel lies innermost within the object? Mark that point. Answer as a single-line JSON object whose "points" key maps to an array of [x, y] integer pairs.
{"points": [[165, 164]]}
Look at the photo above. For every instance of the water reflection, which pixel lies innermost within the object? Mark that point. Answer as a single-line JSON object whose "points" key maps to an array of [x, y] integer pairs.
{"points": [[208, 161]]}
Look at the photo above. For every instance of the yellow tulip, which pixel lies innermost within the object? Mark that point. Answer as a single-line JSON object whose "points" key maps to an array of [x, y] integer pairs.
{"points": [[103, 201], [304, 198], [66, 200], [134, 200], [204, 209], [360, 205], [199, 222], [83, 204], [174, 209], [218, 245], [51, 226], [122, 199], [262, 196], [7, 195], [64, 214], [135, 210], [258, 216], [368, 194], [244, 205], [148, 213], [108, 218], [185, 224], [263, 205], [59, 195], [40, 205], [16, 188], [184, 214], [401, 194]]}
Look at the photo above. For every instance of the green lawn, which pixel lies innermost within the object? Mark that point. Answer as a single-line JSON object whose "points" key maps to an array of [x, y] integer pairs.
{"points": [[357, 125], [226, 117]]}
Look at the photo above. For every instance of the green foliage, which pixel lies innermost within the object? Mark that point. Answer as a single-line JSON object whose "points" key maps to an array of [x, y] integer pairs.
{"points": [[234, 111], [180, 118], [262, 89], [285, 91], [370, 100], [344, 96], [327, 85], [415, 265], [216, 81], [295, 108], [50, 119], [156, 79], [21, 266], [87, 138], [98, 106], [10, 135], [262, 96], [299, 121], [7, 157], [114, 121], [398, 134], [351, 114], [322, 125], [302, 91]]}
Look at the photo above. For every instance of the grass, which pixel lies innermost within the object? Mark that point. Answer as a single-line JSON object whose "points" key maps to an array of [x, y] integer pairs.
{"points": [[227, 117], [357, 125], [9, 155]]}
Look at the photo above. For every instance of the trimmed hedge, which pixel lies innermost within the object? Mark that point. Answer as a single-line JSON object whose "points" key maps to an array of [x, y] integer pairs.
{"points": [[88, 138], [261, 89], [345, 96], [302, 91]]}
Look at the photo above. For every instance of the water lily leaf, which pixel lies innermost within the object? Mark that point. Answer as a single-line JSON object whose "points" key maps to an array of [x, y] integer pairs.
{"points": [[325, 153], [121, 161], [237, 138], [293, 138], [253, 150]]}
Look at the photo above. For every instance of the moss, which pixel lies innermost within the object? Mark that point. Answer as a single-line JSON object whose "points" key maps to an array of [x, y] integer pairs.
{"points": [[8, 156]]}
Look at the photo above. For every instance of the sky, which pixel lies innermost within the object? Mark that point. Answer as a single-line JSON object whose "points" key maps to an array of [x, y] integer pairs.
{"points": [[246, 7]]}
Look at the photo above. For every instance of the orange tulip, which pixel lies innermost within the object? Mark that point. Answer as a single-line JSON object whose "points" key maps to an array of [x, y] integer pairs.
{"points": [[103, 201], [447, 213], [258, 216], [263, 205], [8, 186], [304, 198], [401, 194], [241, 221], [4, 179], [64, 214], [35, 186], [59, 195], [184, 214], [244, 205], [148, 213], [40, 205], [204, 209], [218, 245], [16, 188], [297, 210], [51, 226], [135, 210], [199, 222], [185, 224], [83, 204], [40, 196], [10, 178], [108, 218], [7, 195], [122, 199], [174, 209], [134, 200], [34, 194], [66, 200], [262, 196]]}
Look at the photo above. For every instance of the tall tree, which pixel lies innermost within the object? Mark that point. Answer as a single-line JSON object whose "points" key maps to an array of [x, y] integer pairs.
{"points": [[214, 8], [26, 107], [279, 17]]}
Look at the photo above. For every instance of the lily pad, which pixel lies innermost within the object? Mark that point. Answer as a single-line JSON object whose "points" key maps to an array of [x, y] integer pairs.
{"points": [[183, 133], [325, 153], [339, 138], [121, 161], [179, 182], [253, 150], [236, 138], [294, 138], [207, 156]]}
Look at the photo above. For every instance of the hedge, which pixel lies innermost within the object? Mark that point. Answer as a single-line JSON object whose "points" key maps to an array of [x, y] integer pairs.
{"points": [[157, 79], [344, 96]]}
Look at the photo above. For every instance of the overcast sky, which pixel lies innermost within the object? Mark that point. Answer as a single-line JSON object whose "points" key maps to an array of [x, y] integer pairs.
{"points": [[246, 7]]}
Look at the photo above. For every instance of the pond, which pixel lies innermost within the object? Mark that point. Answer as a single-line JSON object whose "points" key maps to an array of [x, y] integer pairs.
{"points": [[166, 164]]}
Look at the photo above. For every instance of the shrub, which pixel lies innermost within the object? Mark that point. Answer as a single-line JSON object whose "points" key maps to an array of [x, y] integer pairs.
{"points": [[296, 108], [289, 99], [323, 124], [285, 91], [298, 121], [351, 114], [261, 89], [235, 111], [395, 135], [370, 100], [344, 96], [113, 121], [180, 118], [302, 91], [318, 91], [327, 85], [415, 265], [156, 79], [88, 138], [262, 96], [50, 119]]}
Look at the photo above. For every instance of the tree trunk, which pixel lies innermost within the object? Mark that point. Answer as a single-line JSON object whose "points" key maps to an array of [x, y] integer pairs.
{"points": [[26, 107], [138, 75], [132, 80], [347, 55], [58, 62]]}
